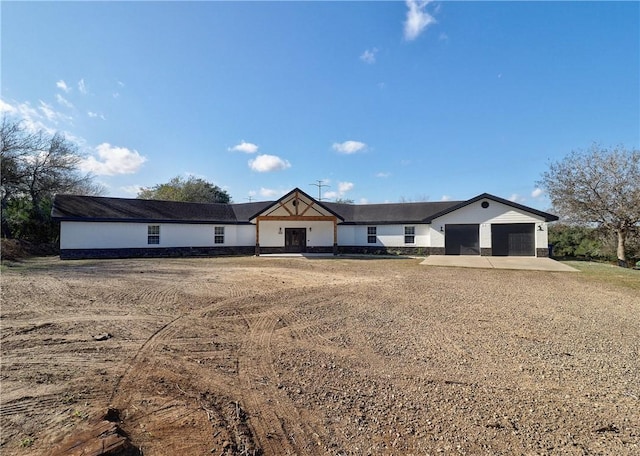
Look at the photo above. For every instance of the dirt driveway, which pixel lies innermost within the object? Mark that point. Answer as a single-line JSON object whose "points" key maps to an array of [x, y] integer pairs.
{"points": [[318, 356]]}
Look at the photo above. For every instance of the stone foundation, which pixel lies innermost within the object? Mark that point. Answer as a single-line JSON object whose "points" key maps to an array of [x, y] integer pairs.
{"points": [[261, 250], [158, 252], [381, 250], [542, 253]]}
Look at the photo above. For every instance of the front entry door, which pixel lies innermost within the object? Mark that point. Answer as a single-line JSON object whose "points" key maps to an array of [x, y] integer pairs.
{"points": [[295, 240]]}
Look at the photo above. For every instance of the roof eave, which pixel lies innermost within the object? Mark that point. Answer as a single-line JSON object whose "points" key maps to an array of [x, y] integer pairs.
{"points": [[253, 217], [148, 220], [548, 217]]}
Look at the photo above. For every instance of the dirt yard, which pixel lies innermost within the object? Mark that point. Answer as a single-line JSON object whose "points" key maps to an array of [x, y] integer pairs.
{"points": [[280, 356]]}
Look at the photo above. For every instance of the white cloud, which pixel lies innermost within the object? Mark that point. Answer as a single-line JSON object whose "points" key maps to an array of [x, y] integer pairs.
{"points": [[417, 19], [48, 111], [6, 107], [132, 189], [246, 147], [445, 198], [94, 115], [63, 101], [537, 193], [369, 56], [82, 87], [113, 160], [443, 37], [383, 175], [516, 198], [364, 201], [63, 86], [343, 188], [270, 192], [349, 147], [32, 118], [268, 163]]}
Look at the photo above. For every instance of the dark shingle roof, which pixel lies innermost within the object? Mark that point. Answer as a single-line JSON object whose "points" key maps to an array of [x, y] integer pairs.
{"points": [[388, 213], [97, 208]]}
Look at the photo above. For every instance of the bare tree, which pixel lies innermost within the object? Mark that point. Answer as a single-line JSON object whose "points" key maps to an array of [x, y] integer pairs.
{"points": [[36, 166], [599, 187]]}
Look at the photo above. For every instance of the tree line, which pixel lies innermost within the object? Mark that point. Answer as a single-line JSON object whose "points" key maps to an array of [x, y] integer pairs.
{"points": [[35, 165], [596, 192]]}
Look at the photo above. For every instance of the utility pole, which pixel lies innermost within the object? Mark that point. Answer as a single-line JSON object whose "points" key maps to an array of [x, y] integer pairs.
{"points": [[250, 198], [320, 185]]}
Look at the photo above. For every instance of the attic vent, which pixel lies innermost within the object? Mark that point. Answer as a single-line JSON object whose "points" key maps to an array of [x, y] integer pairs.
{"points": [[295, 202], [485, 204]]}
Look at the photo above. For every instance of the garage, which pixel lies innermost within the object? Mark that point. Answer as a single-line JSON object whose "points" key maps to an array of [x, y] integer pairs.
{"points": [[463, 239], [514, 239]]}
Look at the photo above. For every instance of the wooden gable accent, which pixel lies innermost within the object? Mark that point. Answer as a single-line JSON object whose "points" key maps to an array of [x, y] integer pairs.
{"points": [[296, 206]]}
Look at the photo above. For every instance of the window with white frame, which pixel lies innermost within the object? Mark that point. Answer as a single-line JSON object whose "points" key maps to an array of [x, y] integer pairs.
{"points": [[218, 233], [153, 234], [372, 234], [409, 234]]}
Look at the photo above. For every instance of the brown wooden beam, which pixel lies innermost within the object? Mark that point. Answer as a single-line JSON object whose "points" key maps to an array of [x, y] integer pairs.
{"points": [[285, 207], [307, 208], [297, 218]]}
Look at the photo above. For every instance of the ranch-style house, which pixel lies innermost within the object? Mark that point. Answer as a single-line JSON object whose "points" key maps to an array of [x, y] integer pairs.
{"points": [[99, 227]]}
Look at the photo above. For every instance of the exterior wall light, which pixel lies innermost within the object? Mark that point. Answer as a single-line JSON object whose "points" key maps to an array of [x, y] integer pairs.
{"points": [[540, 227], [309, 229], [280, 230], [441, 229]]}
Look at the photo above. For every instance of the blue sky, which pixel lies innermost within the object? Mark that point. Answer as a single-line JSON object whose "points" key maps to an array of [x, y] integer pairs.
{"points": [[383, 101]]}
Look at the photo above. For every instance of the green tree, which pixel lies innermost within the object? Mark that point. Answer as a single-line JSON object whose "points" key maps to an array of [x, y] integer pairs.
{"points": [[35, 167], [192, 190], [598, 187], [575, 241]]}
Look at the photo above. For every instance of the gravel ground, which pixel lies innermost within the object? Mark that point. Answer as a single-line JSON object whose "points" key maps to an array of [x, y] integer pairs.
{"points": [[319, 356]]}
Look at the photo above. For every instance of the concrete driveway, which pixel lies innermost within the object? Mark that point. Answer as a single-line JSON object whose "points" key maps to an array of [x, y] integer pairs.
{"points": [[473, 261]]}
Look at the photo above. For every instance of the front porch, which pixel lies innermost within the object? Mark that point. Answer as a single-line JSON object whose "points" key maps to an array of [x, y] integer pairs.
{"points": [[296, 224]]}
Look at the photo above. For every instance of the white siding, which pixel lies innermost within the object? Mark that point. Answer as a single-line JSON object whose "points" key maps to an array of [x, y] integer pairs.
{"points": [[245, 235], [542, 240], [347, 234], [111, 235], [319, 233], [386, 235]]}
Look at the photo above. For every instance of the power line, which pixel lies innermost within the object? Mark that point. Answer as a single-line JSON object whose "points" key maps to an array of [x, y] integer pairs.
{"points": [[320, 185]]}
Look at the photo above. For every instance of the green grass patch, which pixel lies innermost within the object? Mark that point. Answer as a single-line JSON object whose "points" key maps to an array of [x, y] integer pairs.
{"points": [[608, 273]]}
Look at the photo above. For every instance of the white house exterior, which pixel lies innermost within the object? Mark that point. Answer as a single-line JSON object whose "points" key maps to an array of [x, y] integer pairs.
{"points": [[97, 227]]}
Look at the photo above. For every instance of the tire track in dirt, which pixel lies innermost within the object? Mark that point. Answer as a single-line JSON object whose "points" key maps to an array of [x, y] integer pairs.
{"points": [[28, 404], [266, 420], [161, 334], [263, 391]]}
